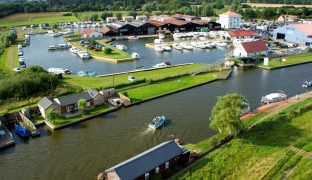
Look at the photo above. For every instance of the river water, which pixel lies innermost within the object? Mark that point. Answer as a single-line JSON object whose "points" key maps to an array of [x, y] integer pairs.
{"points": [[37, 54], [83, 150]]}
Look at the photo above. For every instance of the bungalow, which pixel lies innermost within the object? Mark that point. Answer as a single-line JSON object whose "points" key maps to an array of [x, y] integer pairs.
{"points": [[91, 33], [127, 18], [107, 32], [156, 160], [111, 19], [69, 104], [240, 34], [141, 18], [250, 49], [122, 28]]}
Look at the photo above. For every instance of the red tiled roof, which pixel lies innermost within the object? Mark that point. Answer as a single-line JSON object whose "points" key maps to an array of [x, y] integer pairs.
{"points": [[241, 33], [230, 13], [88, 31], [156, 23], [177, 22], [199, 22], [105, 30], [305, 28], [254, 46]]}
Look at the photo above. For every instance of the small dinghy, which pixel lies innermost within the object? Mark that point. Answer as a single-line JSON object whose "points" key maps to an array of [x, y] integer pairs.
{"points": [[21, 131], [273, 97], [157, 122], [135, 55]]}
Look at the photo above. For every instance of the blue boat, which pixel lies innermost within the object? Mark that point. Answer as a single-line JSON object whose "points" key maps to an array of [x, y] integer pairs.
{"points": [[87, 73], [21, 131], [82, 73], [157, 122]]}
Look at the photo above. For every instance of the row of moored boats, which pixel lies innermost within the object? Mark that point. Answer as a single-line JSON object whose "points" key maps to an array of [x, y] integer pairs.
{"points": [[189, 46]]}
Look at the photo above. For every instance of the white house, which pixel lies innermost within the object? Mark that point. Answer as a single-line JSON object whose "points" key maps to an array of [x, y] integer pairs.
{"points": [[127, 18], [230, 20], [91, 33], [111, 19], [295, 33], [141, 18], [250, 49]]}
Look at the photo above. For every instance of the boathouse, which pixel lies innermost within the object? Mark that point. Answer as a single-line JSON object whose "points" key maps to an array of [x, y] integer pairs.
{"points": [[122, 28], [156, 160]]}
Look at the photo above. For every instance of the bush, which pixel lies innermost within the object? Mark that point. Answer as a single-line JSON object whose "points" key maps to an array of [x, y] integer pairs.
{"points": [[107, 50], [125, 94], [67, 14]]}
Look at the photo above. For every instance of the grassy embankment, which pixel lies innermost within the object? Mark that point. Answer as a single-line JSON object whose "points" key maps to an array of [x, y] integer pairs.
{"points": [[22, 19], [290, 61], [9, 59], [263, 152]]}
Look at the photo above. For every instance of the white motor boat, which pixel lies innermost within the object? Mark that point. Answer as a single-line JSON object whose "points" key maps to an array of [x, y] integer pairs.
{"points": [[177, 36], [161, 36], [74, 50], [121, 47], [135, 55], [307, 84], [158, 41], [177, 47], [167, 48], [187, 46], [83, 54], [57, 34], [274, 97], [160, 65], [59, 71], [159, 48], [51, 48]]}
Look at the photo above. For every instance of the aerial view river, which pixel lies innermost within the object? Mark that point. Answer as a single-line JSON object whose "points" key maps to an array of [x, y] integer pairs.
{"points": [[83, 150], [37, 54]]}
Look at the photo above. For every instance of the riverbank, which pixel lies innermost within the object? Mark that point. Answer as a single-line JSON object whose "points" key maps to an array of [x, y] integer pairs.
{"points": [[282, 62], [263, 150]]}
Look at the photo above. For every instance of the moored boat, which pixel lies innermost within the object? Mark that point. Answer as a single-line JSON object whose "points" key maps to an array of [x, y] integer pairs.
{"points": [[83, 54], [21, 131], [135, 55], [273, 97], [161, 65], [157, 122], [307, 84]]}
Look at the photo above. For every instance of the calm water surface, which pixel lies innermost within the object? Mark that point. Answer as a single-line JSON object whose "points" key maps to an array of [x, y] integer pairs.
{"points": [[83, 150]]}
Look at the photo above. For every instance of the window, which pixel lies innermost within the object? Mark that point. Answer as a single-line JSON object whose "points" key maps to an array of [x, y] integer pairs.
{"points": [[167, 165], [157, 170], [146, 176]]}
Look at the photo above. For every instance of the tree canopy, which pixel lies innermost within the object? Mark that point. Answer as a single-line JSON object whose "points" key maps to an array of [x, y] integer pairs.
{"points": [[226, 114]]}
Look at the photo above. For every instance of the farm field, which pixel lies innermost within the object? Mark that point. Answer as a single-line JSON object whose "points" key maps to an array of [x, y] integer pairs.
{"points": [[21, 19]]}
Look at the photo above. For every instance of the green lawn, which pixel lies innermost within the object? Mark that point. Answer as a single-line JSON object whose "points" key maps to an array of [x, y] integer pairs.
{"points": [[157, 89], [263, 152], [95, 111], [35, 18], [276, 63], [116, 53], [97, 82], [4, 60]]}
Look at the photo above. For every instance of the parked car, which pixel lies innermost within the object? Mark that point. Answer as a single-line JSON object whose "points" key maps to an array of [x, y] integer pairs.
{"points": [[131, 78]]}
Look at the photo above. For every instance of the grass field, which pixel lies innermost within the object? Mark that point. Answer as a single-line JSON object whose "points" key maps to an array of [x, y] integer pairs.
{"points": [[264, 152], [162, 88], [3, 61], [277, 63], [275, 5], [107, 81], [21, 19], [81, 15]]}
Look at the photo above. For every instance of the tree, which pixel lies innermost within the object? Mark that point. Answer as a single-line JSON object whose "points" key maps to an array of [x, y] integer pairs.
{"points": [[118, 15], [82, 104], [52, 115], [94, 17], [105, 15], [226, 114], [148, 7], [132, 13], [107, 50]]}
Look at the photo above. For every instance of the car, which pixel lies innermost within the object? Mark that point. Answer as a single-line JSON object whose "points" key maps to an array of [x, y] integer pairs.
{"points": [[17, 69], [131, 78]]}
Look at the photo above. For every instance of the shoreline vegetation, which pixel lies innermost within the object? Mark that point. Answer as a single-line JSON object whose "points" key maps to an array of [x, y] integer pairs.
{"points": [[265, 149]]}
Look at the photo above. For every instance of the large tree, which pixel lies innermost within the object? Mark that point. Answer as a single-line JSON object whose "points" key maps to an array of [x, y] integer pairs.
{"points": [[226, 114], [52, 115], [82, 104]]}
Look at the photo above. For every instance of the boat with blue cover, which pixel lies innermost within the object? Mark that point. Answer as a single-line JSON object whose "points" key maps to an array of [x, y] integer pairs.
{"points": [[87, 73], [307, 84], [157, 122], [21, 131]]}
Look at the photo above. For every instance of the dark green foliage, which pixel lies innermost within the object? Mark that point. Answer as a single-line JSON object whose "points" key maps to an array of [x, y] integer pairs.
{"points": [[27, 83], [67, 14], [107, 50], [94, 17], [105, 15]]}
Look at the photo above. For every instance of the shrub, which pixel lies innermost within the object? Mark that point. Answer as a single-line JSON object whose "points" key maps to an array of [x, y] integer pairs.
{"points": [[125, 94], [67, 14], [107, 50], [291, 114]]}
